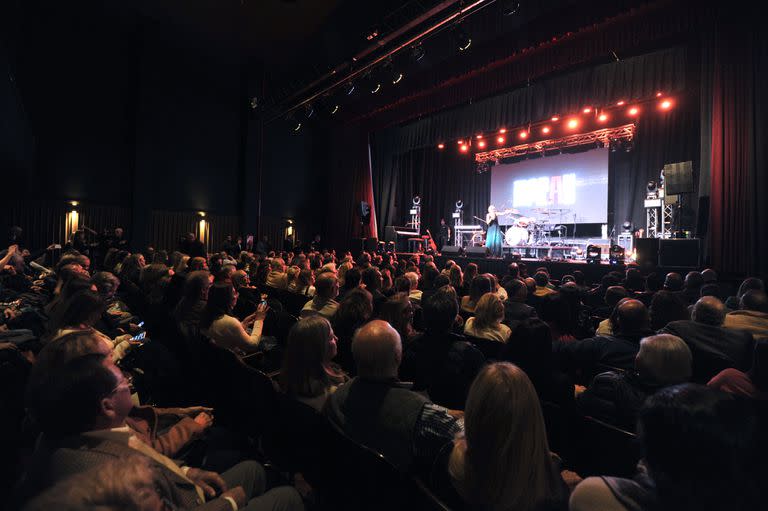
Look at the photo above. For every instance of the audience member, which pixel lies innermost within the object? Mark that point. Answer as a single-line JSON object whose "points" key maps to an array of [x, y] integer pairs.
{"points": [[376, 410], [225, 330], [440, 362], [308, 373], [503, 459], [277, 277], [399, 312], [752, 384], [480, 285], [324, 303], [515, 308], [487, 321], [616, 396], [752, 315], [667, 307], [714, 348]]}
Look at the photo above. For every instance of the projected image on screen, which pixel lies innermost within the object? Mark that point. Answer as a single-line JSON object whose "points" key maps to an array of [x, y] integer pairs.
{"points": [[577, 183]]}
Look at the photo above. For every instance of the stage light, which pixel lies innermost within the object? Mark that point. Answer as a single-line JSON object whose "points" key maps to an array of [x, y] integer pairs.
{"points": [[335, 108], [573, 124], [372, 82], [459, 204], [665, 105], [464, 148], [478, 137], [441, 146], [633, 111], [461, 142], [555, 119], [523, 135], [593, 254], [620, 103], [545, 130], [293, 123], [626, 226], [373, 34], [254, 103], [397, 77], [349, 88], [502, 130], [481, 144], [602, 118], [501, 140], [587, 110], [309, 110], [659, 94], [417, 52], [463, 41], [616, 254], [510, 7]]}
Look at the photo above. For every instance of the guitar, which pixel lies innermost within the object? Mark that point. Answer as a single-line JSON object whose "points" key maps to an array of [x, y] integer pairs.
{"points": [[430, 242]]}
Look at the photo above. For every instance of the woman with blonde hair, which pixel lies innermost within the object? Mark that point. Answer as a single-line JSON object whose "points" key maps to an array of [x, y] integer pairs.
{"points": [[487, 321], [503, 462], [308, 373]]}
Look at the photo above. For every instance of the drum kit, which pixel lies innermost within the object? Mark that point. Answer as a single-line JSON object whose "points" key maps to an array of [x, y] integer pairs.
{"points": [[539, 230]]}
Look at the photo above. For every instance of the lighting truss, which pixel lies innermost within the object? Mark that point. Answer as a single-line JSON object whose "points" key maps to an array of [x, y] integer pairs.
{"points": [[605, 136]]}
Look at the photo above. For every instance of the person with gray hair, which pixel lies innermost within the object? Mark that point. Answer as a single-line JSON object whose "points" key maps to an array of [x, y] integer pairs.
{"points": [[616, 397], [377, 410], [714, 348]]}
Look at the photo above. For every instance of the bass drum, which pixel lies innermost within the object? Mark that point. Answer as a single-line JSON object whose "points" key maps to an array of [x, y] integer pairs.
{"points": [[516, 236]]}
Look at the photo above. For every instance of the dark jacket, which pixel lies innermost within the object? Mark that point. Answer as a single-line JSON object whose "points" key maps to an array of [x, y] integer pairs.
{"points": [[444, 365], [616, 398], [515, 312], [381, 415], [714, 348], [610, 350]]}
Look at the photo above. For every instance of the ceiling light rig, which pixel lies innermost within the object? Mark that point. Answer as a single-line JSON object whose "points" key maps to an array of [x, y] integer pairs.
{"points": [[462, 39]]}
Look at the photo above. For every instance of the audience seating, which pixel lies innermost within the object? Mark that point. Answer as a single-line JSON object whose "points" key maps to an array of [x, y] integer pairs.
{"points": [[491, 349]]}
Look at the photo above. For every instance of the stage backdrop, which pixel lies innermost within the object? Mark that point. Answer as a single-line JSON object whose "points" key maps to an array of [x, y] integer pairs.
{"points": [[406, 161]]}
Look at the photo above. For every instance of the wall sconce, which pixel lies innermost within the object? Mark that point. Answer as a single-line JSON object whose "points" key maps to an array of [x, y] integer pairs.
{"points": [[71, 221], [203, 228]]}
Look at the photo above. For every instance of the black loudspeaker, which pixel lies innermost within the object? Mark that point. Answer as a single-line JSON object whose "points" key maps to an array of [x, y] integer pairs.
{"points": [[371, 244], [364, 211], [450, 250], [647, 251], [683, 253], [678, 178], [480, 252]]}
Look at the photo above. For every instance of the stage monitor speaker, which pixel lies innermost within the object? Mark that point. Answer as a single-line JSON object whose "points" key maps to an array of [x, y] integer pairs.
{"points": [[371, 244], [450, 250], [682, 253], [678, 178], [647, 251], [479, 252]]}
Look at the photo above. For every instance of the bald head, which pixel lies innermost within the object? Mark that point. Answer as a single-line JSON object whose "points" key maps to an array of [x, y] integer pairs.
{"points": [[754, 300], [632, 316], [709, 311], [377, 350]]}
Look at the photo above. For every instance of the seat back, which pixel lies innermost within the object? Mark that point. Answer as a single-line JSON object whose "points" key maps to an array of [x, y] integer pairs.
{"points": [[491, 349], [599, 448]]}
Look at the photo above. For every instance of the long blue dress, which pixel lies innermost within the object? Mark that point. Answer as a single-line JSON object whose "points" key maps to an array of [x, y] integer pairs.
{"points": [[493, 237]]}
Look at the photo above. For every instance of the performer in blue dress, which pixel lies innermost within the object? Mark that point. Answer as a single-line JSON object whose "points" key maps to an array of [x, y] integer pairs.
{"points": [[493, 235]]}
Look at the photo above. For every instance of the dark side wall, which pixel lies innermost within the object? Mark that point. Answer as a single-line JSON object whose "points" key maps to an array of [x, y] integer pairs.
{"points": [[111, 108]]}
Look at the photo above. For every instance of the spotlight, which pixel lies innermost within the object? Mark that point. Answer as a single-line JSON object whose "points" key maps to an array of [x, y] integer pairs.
{"points": [[461, 142], [502, 131], [659, 94], [633, 111], [510, 7], [373, 34], [293, 123], [441, 146], [481, 144], [254, 103], [397, 77], [602, 118], [555, 119], [545, 130], [416, 200], [620, 103], [349, 88], [372, 83], [464, 148], [478, 137], [626, 226], [417, 52], [628, 146], [616, 254], [665, 105], [459, 204], [523, 135], [501, 140], [593, 254], [462, 40], [573, 124], [334, 108], [309, 110], [587, 110]]}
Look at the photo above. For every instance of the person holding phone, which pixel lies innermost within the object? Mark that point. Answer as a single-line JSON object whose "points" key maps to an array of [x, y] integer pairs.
{"points": [[226, 330]]}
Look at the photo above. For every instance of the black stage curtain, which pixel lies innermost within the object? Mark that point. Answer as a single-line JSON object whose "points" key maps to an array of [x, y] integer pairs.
{"points": [[406, 160]]}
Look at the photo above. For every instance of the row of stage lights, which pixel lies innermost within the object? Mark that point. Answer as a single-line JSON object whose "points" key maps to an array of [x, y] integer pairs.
{"points": [[546, 128]]}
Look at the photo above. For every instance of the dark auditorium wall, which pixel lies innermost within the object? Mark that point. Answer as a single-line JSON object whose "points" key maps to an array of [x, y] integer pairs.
{"points": [[106, 107]]}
